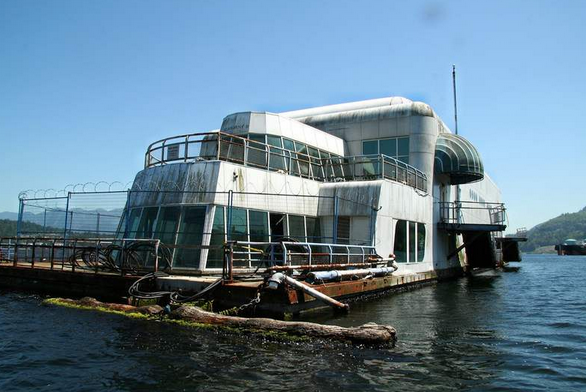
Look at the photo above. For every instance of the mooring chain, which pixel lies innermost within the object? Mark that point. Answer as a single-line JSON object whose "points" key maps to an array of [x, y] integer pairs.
{"points": [[253, 302]]}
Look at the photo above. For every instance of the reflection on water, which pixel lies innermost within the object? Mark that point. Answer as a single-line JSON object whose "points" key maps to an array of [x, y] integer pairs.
{"points": [[523, 330]]}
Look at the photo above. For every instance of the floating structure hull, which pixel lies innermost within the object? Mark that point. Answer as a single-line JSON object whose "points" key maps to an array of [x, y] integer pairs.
{"points": [[335, 188]]}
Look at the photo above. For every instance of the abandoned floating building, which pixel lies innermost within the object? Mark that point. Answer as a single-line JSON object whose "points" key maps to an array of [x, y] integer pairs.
{"points": [[352, 187]]}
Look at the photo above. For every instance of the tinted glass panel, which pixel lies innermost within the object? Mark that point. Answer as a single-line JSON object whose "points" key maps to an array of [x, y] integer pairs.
{"points": [[257, 137], [300, 147], [215, 254], [133, 222], [167, 224], [412, 242], [403, 146], [190, 234], [274, 141], [420, 241], [296, 227], [257, 154], [389, 147], [400, 248], [147, 221], [313, 230], [238, 229], [370, 147], [288, 144], [277, 159], [259, 227]]}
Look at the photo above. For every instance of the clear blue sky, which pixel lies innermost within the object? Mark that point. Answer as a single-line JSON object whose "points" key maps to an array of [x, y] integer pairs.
{"points": [[85, 86]]}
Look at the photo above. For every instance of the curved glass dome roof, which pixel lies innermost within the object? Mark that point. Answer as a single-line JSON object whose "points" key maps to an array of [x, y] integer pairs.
{"points": [[458, 159]]}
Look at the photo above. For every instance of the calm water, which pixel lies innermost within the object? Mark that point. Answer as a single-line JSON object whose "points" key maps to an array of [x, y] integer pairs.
{"points": [[523, 330]]}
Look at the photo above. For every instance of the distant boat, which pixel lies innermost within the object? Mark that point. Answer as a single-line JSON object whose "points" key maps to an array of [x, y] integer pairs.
{"points": [[571, 247]]}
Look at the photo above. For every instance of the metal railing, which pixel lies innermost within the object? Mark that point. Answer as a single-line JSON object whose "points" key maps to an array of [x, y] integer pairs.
{"points": [[241, 150], [373, 167], [248, 255], [99, 255], [471, 212]]}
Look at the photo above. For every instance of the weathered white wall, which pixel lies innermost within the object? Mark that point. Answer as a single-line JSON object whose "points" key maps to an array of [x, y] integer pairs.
{"points": [[274, 124]]}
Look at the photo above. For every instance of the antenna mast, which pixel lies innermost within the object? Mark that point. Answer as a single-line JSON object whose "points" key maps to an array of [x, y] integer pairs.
{"points": [[455, 104]]}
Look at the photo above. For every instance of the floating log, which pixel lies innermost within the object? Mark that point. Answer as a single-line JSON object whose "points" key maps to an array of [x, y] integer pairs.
{"points": [[88, 302], [370, 333]]}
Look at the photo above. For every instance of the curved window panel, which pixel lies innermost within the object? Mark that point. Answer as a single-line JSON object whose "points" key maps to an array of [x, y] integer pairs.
{"points": [[189, 237], [257, 154], [277, 155], [167, 224], [257, 137], [133, 221], [147, 222], [232, 148], [217, 239], [420, 241], [400, 248]]}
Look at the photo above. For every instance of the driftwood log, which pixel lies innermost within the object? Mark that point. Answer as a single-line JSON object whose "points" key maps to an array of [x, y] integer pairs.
{"points": [[370, 333], [89, 302]]}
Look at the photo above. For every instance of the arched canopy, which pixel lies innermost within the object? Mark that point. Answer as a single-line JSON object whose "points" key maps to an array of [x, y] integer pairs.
{"points": [[458, 159]]}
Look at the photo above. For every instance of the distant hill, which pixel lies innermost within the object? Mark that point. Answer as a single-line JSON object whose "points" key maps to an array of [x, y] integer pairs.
{"points": [[9, 215], [556, 230], [8, 227]]}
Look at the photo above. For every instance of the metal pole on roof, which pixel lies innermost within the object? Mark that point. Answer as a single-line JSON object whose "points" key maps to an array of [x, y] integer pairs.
{"points": [[455, 104], [456, 123]]}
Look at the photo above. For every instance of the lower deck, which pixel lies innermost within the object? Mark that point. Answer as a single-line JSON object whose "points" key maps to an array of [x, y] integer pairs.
{"points": [[240, 291]]}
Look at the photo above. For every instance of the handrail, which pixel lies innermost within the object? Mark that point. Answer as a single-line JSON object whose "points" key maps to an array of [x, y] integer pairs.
{"points": [[98, 255], [233, 148], [251, 254], [472, 212]]}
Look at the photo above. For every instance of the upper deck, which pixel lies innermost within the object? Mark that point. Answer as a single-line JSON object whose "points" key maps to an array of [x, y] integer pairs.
{"points": [[283, 155]]}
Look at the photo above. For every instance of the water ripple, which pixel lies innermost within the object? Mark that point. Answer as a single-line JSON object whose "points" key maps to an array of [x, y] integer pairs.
{"points": [[514, 331]]}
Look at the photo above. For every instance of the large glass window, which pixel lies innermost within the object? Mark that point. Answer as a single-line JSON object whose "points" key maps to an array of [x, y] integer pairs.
{"points": [[412, 250], [389, 147], [370, 147], [133, 221], [277, 155], [216, 253], [257, 154], [232, 148], [190, 236], [411, 257], [420, 241], [313, 229], [291, 156], [397, 148], [302, 158], [167, 224], [400, 248], [296, 227], [239, 225], [259, 226]]}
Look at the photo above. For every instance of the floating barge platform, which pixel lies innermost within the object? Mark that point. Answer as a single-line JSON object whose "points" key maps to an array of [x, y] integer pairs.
{"points": [[303, 208]]}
